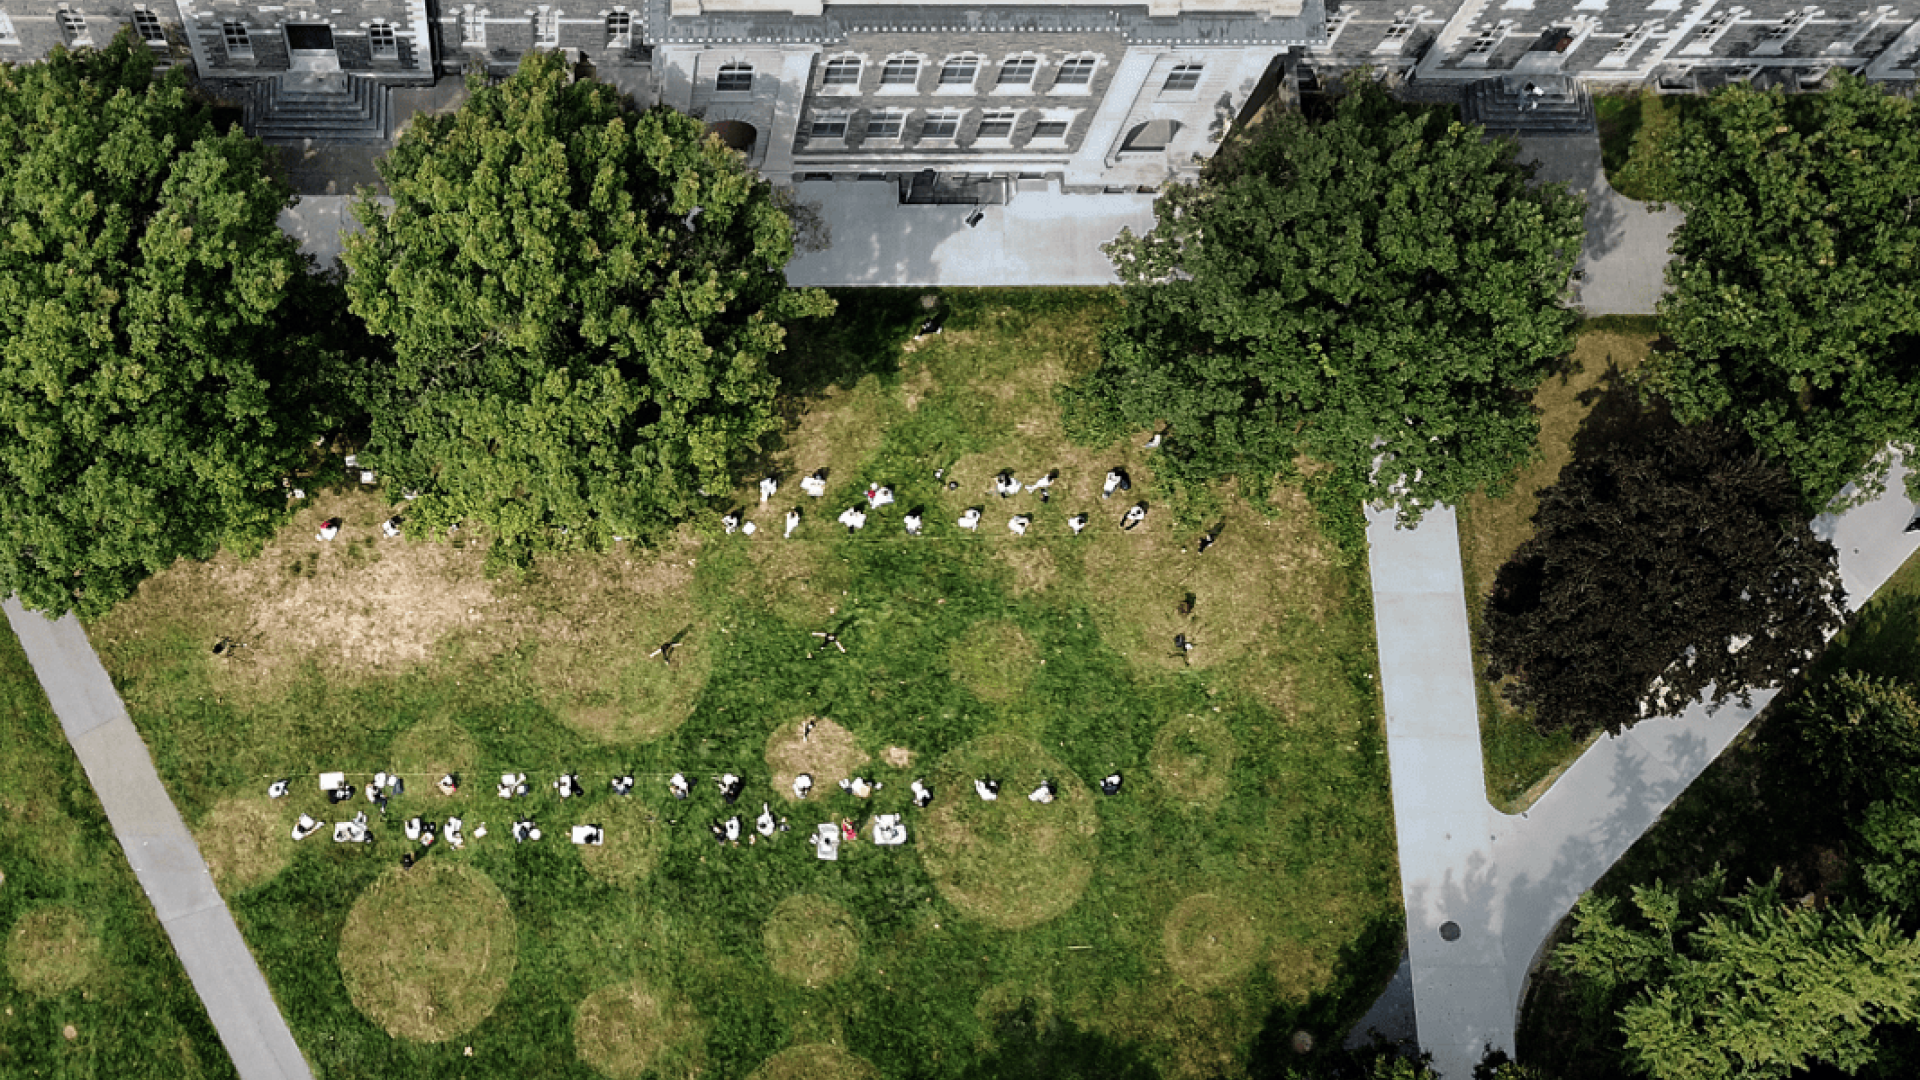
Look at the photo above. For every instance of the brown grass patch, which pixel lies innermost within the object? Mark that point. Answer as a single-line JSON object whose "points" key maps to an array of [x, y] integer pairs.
{"points": [[829, 755], [1192, 758], [1299, 969], [624, 1031], [837, 431], [1259, 569], [245, 841], [811, 940], [1211, 940], [635, 841], [52, 951], [426, 953], [1031, 568], [815, 1062], [1009, 863], [432, 748], [995, 660], [799, 581], [899, 757]]}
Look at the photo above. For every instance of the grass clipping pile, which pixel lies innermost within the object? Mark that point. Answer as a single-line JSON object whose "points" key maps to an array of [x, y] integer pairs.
{"points": [[426, 953], [626, 1030], [1010, 863], [811, 940], [52, 951]]}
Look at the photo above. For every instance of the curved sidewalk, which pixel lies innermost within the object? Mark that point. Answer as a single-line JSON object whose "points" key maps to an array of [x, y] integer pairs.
{"points": [[1498, 884], [162, 851]]}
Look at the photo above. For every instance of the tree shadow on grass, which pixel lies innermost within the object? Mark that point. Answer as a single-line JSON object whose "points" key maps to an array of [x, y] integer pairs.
{"points": [[1030, 1047], [864, 337], [1365, 966]]}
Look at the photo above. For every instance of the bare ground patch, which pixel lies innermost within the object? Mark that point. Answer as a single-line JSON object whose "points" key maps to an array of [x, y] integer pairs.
{"points": [[1010, 863], [835, 431], [426, 953], [245, 841], [800, 581], [829, 755], [816, 1061], [634, 843], [626, 1030], [51, 951], [994, 659], [1211, 940], [1192, 758], [811, 940]]}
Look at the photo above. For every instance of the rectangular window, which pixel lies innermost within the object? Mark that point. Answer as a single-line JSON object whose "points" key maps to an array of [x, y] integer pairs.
{"points": [[73, 27], [1711, 32], [473, 26], [1620, 54], [1075, 71], [1397, 33], [1018, 71], [1050, 129], [239, 45], [885, 124], [146, 26], [546, 27], [959, 72], [940, 126], [381, 38], [996, 125], [619, 29], [1337, 22], [842, 71], [901, 71], [1184, 78], [828, 125], [1484, 45], [734, 79]]}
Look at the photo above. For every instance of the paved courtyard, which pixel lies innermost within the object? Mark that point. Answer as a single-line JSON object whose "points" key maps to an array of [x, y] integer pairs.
{"points": [[1623, 264]]}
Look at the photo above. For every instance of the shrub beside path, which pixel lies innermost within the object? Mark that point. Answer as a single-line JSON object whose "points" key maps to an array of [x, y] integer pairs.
{"points": [[1483, 889], [158, 845]]}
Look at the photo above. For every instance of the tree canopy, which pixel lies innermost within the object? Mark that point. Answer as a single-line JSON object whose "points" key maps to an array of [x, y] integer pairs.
{"points": [[582, 300], [1666, 561], [161, 341], [1794, 309], [1385, 283]]}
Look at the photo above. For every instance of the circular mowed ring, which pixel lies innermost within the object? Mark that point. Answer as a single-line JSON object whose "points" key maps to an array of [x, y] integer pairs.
{"points": [[811, 940], [51, 951], [625, 1029], [633, 844], [816, 1061], [1010, 863], [427, 952], [246, 841], [1193, 760], [1211, 940]]}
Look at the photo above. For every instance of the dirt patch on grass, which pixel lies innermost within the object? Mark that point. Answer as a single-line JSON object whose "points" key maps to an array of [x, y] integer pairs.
{"points": [[829, 755], [432, 748], [1031, 567], [995, 660], [811, 940], [52, 951], [837, 432], [899, 757], [426, 953], [625, 1031], [1192, 758], [1010, 863], [1211, 940], [799, 581], [635, 841], [246, 842], [815, 1062]]}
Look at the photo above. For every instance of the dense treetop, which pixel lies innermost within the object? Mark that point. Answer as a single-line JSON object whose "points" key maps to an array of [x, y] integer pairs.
{"points": [[1383, 283], [1795, 303], [583, 300], [160, 339]]}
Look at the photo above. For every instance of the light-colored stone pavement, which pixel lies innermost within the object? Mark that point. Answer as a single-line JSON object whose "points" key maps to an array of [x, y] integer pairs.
{"points": [[158, 845], [1504, 882], [1623, 264]]}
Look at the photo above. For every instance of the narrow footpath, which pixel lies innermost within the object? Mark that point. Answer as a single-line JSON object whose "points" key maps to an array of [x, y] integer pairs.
{"points": [[1484, 889], [162, 851]]}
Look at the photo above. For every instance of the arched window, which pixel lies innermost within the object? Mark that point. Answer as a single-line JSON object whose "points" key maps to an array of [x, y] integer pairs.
{"points": [[1151, 137], [734, 79], [841, 72], [1075, 71]]}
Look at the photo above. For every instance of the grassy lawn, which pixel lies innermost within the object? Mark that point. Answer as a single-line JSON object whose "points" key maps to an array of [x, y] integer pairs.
{"points": [[90, 987], [1520, 761], [1242, 885], [1752, 812]]}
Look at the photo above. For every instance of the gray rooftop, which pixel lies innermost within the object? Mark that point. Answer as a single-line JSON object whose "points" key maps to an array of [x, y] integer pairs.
{"points": [[1306, 28]]}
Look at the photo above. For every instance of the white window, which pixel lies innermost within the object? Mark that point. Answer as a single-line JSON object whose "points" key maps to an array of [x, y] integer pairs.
{"points": [[619, 29], [239, 45], [546, 27], [1052, 128], [1075, 72], [1481, 51], [1622, 54], [828, 126], [1711, 32], [885, 124], [7, 36], [73, 27], [1397, 32], [734, 79], [1183, 79], [473, 26], [381, 38], [841, 73], [1017, 73], [1779, 34], [958, 73], [146, 27], [900, 75], [940, 126], [996, 126]]}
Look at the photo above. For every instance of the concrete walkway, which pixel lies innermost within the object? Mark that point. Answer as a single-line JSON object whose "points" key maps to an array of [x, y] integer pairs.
{"points": [[162, 851], [1483, 889], [1622, 265]]}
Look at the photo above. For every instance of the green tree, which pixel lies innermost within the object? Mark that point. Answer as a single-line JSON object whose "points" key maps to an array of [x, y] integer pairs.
{"points": [[582, 301], [1385, 284], [1745, 986], [164, 355], [1858, 736], [1794, 311], [1666, 561]]}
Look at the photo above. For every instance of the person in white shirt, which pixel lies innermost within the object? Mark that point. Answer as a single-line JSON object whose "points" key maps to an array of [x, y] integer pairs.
{"points": [[802, 786], [768, 486], [913, 522], [278, 789], [970, 520], [1006, 484], [305, 827], [987, 788], [329, 529], [853, 518], [815, 485], [1136, 514], [878, 495], [764, 823], [1018, 525], [1076, 523], [793, 522], [391, 527], [679, 786], [922, 794], [1044, 793]]}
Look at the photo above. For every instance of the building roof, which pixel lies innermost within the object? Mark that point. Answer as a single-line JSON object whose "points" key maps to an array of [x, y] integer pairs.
{"points": [[1132, 21]]}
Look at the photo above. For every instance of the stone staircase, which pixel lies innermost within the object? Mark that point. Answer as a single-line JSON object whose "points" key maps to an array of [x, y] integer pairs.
{"points": [[325, 107], [1530, 105]]}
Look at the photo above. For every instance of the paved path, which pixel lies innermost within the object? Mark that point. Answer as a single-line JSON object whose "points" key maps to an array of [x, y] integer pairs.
{"points": [[1622, 265], [1505, 882], [157, 843]]}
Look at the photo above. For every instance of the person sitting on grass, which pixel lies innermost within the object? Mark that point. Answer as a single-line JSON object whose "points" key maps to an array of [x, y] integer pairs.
{"points": [[730, 521], [525, 830], [278, 789], [391, 527], [1043, 484], [1005, 485], [329, 529], [733, 829], [452, 833], [764, 823], [887, 830], [305, 827], [793, 522], [730, 787], [679, 786], [428, 833], [412, 828], [1076, 523], [769, 486], [448, 784], [621, 785], [1136, 514], [1018, 524], [1116, 481], [815, 485], [859, 787], [343, 793], [970, 520], [406, 860], [719, 831], [922, 794], [878, 495], [1044, 793], [512, 784], [853, 518], [802, 786], [913, 521], [1111, 785], [568, 785], [987, 788], [589, 834]]}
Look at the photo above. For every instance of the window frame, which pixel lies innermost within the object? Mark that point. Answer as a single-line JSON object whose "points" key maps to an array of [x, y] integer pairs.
{"points": [[955, 117], [1010, 117], [1188, 74], [896, 117], [237, 38], [73, 26], [839, 66], [158, 38], [378, 29], [1071, 66], [913, 64], [473, 27], [622, 36], [970, 62], [732, 71], [828, 117], [546, 27], [1062, 117], [1031, 65]]}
